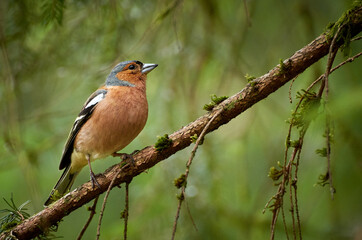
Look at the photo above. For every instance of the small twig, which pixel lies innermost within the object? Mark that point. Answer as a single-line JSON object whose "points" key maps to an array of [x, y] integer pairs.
{"points": [[295, 194], [290, 89], [177, 215], [268, 204], [328, 140], [188, 165], [348, 60], [125, 213], [91, 215], [104, 202], [278, 199], [331, 55], [192, 219], [291, 196], [274, 221], [351, 59], [21, 215], [356, 38], [293, 186], [287, 178], [284, 221], [324, 85], [280, 193]]}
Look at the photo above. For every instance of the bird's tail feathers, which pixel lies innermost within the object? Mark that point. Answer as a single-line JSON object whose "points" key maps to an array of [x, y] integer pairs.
{"points": [[63, 186]]}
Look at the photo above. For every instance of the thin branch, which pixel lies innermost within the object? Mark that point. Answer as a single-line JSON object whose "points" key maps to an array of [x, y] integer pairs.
{"points": [[291, 195], [105, 201], [287, 179], [328, 140], [91, 215], [284, 221], [356, 38], [290, 90], [348, 60], [274, 221], [189, 212], [188, 165], [351, 59], [331, 56], [126, 211], [328, 143], [295, 195]]}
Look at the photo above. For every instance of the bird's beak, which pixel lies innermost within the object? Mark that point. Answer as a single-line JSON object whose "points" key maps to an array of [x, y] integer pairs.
{"points": [[148, 67]]}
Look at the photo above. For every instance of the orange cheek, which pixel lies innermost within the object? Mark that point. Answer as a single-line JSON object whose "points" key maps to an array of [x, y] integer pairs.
{"points": [[120, 76], [129, 77]]}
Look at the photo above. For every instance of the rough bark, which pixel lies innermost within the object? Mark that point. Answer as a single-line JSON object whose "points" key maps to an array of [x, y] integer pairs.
{"points": [[149, 156]]}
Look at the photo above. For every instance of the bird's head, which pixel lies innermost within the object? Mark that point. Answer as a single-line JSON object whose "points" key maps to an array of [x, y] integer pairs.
{"points": [[129, 73]]}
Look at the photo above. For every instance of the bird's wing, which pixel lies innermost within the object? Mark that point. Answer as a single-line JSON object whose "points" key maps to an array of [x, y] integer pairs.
{"points": [[82, 118]]}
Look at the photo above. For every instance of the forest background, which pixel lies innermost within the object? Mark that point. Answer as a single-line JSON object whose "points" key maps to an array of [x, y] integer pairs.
{"points": [[50, 63]]}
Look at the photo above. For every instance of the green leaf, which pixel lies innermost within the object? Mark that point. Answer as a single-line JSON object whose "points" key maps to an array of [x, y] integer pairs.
{"points": [[52, 11]]}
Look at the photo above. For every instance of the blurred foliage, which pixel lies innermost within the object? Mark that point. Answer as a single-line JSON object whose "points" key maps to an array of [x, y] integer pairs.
{"points": [[54, 53], [12, 216]]}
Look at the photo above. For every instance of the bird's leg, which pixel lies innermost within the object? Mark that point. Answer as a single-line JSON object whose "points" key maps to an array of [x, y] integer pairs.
{"points": [[91, 173]]}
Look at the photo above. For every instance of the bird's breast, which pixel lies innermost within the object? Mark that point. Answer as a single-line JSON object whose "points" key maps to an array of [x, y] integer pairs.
{"points": [[115, 122]]}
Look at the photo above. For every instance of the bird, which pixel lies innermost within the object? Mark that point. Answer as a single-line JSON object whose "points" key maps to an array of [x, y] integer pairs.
{"points": [[110, 119]]}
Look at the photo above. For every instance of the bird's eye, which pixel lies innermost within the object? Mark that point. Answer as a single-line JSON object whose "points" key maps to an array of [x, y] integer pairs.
{"points": [[131, 67]]}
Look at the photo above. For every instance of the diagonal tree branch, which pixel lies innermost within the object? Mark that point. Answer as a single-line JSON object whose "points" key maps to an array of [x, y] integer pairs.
{"points": [[254, 92]]}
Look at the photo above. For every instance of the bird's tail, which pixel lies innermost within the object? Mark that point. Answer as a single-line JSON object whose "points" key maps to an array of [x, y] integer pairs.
{"points": [[63, 186]]}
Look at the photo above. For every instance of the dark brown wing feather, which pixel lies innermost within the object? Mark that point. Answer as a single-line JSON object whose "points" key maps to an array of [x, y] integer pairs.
{"points": [[82, 118]]}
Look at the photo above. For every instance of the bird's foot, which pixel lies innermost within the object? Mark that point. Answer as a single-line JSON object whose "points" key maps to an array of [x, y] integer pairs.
{"points": [[124, 155], [91, 173], [94, 180]]}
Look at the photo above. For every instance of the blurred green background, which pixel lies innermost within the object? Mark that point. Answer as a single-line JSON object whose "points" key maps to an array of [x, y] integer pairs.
{"points": [[202, 47]]}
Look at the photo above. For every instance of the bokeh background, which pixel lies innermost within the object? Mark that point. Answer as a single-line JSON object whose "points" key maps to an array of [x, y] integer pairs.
{"points": [[52, 59]]}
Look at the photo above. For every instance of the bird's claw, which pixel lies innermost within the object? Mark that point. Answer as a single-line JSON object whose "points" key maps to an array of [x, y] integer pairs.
{"points": [[94, 180], [126, 158]]}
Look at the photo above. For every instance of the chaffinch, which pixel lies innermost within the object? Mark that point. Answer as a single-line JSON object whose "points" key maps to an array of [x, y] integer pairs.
{"points": [[109, 120]]}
